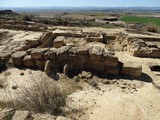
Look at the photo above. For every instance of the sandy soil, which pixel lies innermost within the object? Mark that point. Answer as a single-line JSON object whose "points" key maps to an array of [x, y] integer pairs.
{"points": [[122, 99]]}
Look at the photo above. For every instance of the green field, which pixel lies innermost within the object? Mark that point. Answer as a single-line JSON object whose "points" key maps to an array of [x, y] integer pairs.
{"points": [[143, 20]]}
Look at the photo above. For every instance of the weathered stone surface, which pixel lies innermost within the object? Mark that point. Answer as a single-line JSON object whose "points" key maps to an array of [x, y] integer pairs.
{"points": [[139, 48], [82, 50], [5, 55], [132, 69], [114, 70], [38, 53], [59, 42], [50, 54], [44, 117], [73, 53], [84, 74], [40, 64], [21, 115], [68, 33], [18, 57], [28, 61], [62, 118], [48, 68], [94, 37], [110, 59], [96, 52], [47, 40], [5, 112], [62, 53], [152, 45]]}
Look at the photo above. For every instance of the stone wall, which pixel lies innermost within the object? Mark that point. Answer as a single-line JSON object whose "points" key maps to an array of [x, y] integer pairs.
{"points": [[138, 47], [94, 59]]}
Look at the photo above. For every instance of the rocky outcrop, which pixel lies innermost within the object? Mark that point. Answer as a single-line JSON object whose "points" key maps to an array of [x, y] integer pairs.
{"points": [[139, 48], [18, 57], [37, 53], [11, 114], [21, 115], [47, 40], [132, 69], [28, 61], [62, 53], [48, 68], [59, 42], [50, 54], [68, 33]]}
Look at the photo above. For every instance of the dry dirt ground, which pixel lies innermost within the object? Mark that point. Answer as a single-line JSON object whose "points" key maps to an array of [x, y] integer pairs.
{"points": [[122, 99], [114, 99]]}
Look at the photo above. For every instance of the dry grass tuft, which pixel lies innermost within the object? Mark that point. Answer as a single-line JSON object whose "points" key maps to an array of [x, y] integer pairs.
{"points": [[43, 97], [151, 28]]}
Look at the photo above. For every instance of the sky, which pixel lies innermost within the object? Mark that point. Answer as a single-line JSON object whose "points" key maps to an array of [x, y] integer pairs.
{"points": [[98, 3]]}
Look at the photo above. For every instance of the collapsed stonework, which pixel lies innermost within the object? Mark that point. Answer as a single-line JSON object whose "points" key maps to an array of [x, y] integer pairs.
{"points": [[53, 53], [138, 47]]}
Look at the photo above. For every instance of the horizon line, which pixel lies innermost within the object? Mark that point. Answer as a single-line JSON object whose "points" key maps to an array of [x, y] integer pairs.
{"points": [[78, 6]]}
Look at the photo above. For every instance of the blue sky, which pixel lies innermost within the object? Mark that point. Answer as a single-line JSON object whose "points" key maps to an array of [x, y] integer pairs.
{"points": [[105, 3]]}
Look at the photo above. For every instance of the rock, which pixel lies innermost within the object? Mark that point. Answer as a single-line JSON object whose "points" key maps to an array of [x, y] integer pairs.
{"points": [[50, 54], [28, 61], [59, 41], [132, 69], [43, 117], [82, 50], [40, 64], [5, 112], [14, 87], [83, 54], [155, 53], [21, 115], [48, 68], [5, 55], [62, 53], [18, 57], [65, 69], [152, 45], [113, 70], [22, 73], [94, 37], [96, 52], [38, 53], [62, 118], [47, 40], [29, 51], [110, 59], [73, 53], [2, 66], [84, 74]]}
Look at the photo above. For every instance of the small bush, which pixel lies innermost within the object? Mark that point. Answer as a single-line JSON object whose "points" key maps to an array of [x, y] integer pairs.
{"points": [[43, 97], [26, 17], [151, 28]]}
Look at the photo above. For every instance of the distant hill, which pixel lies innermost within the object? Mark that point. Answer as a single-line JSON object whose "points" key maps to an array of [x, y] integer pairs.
{"points": [[7, 12], [73, 8]]}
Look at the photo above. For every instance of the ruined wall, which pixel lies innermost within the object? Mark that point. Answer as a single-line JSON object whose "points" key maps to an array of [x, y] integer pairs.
{"points": [[93, 58], [138, 47]]}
